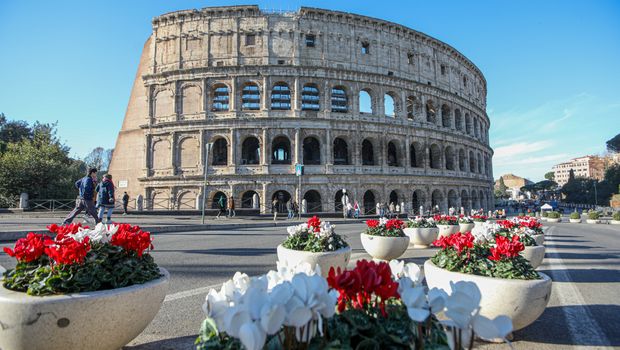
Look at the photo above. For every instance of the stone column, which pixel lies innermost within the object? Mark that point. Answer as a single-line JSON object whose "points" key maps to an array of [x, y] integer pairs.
{"points": [[263, 155], [232, 160], [297, 148], [233, 99]]}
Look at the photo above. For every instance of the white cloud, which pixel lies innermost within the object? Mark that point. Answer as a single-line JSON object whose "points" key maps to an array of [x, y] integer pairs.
{"points": [[518, 149]]}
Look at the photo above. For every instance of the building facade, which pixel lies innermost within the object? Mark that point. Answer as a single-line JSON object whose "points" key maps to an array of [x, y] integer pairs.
{"points": [[371, 108], [592, 167]]}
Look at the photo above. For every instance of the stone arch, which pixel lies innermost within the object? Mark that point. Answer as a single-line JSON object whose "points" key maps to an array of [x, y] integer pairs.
{"points": [[453, 200], [191, 99], [472, 162], [281, 150], [159, 200], [247, 199], [482, 199], [341, 152], [310, 97], [434, 156], [368, 153], [163, 103], [311, 151], [449, 153], [189, 153], [339, 99], [250, 151], [369, 202], [431, 113], [366, 103], [250, 96], [338, 205], [186, 200], [462, 160], [475, 201], [391, 104], [282, 197], [393, 154], [418, 199], [458, 119], [161, 155], [476, 128], [465, 201], [416, 155], [468, 124], [480, 164], [411, 107], [215, 199], [446, 116], [281, 96], [220, 97], [437, 200], [313, 201], [219, 151]]}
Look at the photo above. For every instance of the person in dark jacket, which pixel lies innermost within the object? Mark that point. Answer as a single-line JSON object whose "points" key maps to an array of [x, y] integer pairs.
{"points": [[84, 201], [125, 203], [105, 198]]}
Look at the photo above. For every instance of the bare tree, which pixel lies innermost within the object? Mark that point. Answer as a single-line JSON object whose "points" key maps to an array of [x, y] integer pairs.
{"points": [[99, 158]]}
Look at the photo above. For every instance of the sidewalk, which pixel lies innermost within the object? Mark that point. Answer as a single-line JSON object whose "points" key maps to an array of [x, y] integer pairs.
{"points": [[17, 225]]}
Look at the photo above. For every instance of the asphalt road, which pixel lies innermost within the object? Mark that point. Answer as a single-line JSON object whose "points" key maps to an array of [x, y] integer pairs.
{"points": [[583, 261]]}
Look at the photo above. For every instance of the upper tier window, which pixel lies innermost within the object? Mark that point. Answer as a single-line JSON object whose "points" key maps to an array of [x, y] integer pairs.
{"points": [[281, 97], [310, 40], [250, 97], [250, 39], [365, 48]]}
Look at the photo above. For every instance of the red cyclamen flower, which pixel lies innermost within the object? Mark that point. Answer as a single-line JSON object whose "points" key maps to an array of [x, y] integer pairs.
{"points": [[29, 248], [372, 223]]}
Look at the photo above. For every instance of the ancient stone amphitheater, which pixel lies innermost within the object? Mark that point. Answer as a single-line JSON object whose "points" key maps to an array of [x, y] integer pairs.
{"points": [[379, 110]]}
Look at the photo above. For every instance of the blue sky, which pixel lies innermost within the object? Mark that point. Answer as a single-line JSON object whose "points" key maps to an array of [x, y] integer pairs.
{"points": [[552, 67]]}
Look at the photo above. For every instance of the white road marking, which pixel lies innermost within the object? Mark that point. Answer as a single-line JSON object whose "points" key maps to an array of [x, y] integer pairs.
{"points": [[583, 328], [191, 292]]}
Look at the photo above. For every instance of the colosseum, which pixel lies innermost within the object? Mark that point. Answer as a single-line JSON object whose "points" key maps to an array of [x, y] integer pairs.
{"points": [[375, 111]]}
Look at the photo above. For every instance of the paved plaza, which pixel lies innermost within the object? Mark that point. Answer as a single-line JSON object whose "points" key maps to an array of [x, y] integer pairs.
{"points": [[583, 261]]}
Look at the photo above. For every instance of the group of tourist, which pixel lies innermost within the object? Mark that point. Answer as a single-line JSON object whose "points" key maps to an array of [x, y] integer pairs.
{"points": [[96, 198]]}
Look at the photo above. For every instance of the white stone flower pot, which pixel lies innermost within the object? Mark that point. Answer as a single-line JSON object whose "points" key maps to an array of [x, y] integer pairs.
{"points": [[479, 223], [574, 221], [384, 248], [103, 320], [592, 221], [540, 239], [521, 300], [421, 237], [447, 230], [466, 227], [534, 254], [554, 220], [326, 260], [614, 222]]}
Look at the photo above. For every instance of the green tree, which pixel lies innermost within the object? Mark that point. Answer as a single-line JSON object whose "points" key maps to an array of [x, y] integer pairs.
{"points": [[550, 176], [613, 144]]}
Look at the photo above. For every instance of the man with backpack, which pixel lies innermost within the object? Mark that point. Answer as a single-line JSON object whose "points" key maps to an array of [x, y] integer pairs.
{"points": [[84, 201]]}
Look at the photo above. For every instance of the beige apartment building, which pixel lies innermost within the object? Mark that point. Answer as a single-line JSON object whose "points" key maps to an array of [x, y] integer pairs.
{"points": [[592, 167]]}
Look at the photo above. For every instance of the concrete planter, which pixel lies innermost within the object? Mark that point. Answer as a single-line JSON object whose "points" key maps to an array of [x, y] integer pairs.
{"points": [[591, 221], [614, 222], [421, 237], [105, 320], [534, 254], [447, 230], [479, 223], [466, 227], [384, 248], [574, 221], [540, 239], [521, 300], [554, 220], [326, 260]]}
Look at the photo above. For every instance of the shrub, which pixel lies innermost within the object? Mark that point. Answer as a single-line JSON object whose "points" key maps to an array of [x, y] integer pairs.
{"points": [[545, 214], [575, 215], [521, 214], [616, 216], [554, 215], [594, 215]]}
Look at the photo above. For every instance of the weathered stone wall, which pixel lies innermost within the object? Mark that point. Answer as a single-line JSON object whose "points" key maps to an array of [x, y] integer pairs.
{"points": [[272, 90]]}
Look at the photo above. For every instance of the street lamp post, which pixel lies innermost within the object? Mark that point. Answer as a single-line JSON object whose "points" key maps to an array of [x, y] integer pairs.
{"points": [[204, 183]]}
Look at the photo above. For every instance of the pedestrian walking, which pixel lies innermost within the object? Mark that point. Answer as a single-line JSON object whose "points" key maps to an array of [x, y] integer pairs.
{"points": [[356, 210], [221, 206], [84, 201], [125, 200], [274, 209], [105, 198], [290, 206], [349, 209], [295, 209], [231, 207]]}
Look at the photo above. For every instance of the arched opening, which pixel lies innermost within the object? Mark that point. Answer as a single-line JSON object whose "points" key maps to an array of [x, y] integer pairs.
{"points": [[365, 102], [310, 98], [250, 97], [487, 165], [250, 151], [461, 160], [434, 157], [449, 158], [370, 203], [163, 103], [389, 106], [480, 164], [476, 128], [458, 119], [339, 100], [465, 202], [191, 100], [338, 200], [392, 154], [312, 151], [186, 201], [247, 200], [483, 205], [221, 98], [281, 97], [220, 152], [313, 201], [368, 154], [341, 152], [394, 198], [453, 200], [411, 102], [416, 155], [281, 150], [437, 200], [475, 203], [189, 153], [417, 200], [446, 118], [430, 112], [215, 203], [161, 155], [467, 124], [281, 198], [472, 162]]}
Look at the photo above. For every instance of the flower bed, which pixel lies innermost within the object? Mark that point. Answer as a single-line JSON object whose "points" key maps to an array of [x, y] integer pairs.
{"points": [[79, 259], [479, 218], [314, 236], [375, 305], [421, 222], [385, 228]]}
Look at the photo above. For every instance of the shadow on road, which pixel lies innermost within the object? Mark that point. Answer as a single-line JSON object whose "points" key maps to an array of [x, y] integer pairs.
{"points": [[549, 329], [569, 246], [181, 343], [584, 275], [224, 251]]}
